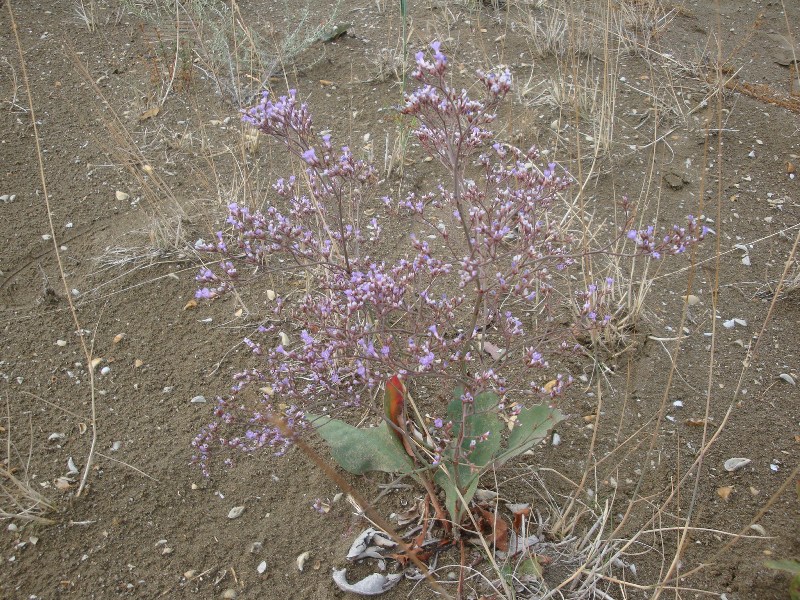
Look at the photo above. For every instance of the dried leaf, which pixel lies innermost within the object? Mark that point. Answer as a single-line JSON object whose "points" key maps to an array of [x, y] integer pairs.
{"points": [[190, 304], [118, 338], [62, 483], [373, 585], [325, 82], [724, 492], [520, 512], [149, 113], [494, 528]]}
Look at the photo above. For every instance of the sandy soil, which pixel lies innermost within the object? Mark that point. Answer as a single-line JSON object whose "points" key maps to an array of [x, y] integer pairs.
{"points": [[131, 189]]}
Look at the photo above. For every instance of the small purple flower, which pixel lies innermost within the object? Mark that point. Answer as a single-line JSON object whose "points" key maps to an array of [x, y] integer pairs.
{"points": [[310, 156], [427, 360]]}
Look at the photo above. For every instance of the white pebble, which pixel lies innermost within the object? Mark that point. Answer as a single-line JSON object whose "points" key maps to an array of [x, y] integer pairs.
{"points": [[105, 370]]}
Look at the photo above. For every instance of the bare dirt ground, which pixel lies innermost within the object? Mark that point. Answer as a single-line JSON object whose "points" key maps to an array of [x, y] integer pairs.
{"points": [[635, 112]]}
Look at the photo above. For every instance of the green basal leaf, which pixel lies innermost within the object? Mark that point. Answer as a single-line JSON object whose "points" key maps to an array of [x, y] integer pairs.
{"points": [[792, 566], [531, 428], [484, 419], [529, 569], [360, 450], [467, 481], [472, 462]]}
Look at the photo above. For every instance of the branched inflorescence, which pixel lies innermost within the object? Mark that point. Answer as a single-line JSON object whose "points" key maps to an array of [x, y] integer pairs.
{"points": [[485, 250]]}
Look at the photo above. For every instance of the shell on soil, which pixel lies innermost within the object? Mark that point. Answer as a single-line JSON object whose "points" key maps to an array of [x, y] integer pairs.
{"points": [[734, 464]]}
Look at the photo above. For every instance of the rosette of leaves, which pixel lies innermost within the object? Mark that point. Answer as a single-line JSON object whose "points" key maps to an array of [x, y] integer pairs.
{"points": [[477, 445]]}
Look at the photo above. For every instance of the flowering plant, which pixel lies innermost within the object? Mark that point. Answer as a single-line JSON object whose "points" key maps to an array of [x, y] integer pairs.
{"points": [[446, 317]]}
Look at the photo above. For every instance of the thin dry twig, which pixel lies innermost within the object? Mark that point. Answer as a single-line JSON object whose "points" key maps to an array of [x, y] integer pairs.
{"points": [[56, 248]]}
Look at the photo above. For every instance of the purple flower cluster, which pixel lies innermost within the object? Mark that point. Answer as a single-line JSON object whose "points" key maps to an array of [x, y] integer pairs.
{"points": [[483, 254], [676, 241]]}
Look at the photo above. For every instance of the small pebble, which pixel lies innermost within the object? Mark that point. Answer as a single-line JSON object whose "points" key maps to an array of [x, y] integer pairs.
{"points": [[105, 370], [229, 594], [198, 400]]}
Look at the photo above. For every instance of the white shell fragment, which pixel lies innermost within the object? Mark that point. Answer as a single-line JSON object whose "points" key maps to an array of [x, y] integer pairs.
{"points": [[71, 468], [302, 559], [122, 196], [236, 512], [372, 585], [787, 378], [734, 464], [198, 400], [262, 566], [369, 544], [731, 323]]}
